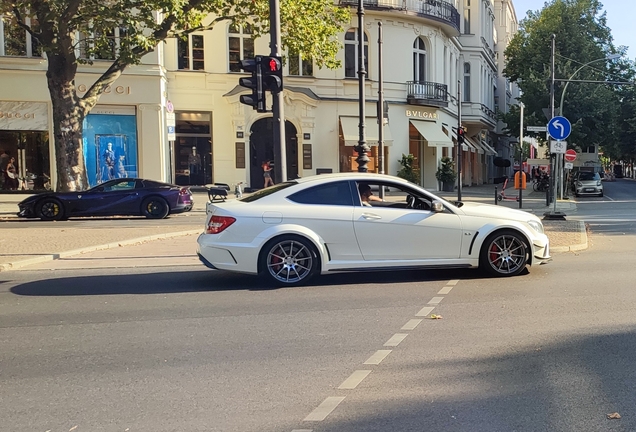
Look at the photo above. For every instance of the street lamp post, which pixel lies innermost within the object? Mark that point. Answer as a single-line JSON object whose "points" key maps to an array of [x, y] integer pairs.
{"points": [[362, 148], [567, 83]]}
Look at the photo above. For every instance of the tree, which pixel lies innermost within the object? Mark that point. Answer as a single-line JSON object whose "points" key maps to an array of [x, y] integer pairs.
{"points": [[62, 27], [582, 35]]}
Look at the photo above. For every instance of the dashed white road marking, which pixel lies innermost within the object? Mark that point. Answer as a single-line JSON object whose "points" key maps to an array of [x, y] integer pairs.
{"points": [[445, 290], [377, 358], [396, 339], [453, 282], [411, 324], [425, 311], [436, 300], [353, 380], [324, 409]]}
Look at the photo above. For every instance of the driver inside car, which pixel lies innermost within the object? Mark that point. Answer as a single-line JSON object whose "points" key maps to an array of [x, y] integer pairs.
{"points": [[366, 195]]}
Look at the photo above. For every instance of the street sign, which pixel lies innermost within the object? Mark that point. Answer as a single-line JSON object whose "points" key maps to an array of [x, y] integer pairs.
{"points": [[536, 128], [568, 165], [559, 128], [169, 107], [170, 119], [558, 146], [570, 155], [172, 136]]}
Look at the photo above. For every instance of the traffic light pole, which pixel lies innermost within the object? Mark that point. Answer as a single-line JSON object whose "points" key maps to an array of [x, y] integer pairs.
{"points": [[459, 144], [278, 109]]}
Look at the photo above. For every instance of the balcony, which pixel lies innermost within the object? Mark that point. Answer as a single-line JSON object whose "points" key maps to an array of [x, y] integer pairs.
{"points": [[437, 10], [427, 93]]}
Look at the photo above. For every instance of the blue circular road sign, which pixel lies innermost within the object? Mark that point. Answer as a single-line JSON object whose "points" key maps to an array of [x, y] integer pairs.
{"points": [[559, 128]]}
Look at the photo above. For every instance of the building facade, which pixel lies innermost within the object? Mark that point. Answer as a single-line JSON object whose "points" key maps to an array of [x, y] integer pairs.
{"points": [[432, 52]]}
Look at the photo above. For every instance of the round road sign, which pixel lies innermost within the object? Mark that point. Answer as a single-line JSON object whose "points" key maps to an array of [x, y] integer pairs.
{"points": [[570, 155]]}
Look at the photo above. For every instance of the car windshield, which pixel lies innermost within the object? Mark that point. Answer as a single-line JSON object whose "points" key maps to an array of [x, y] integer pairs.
{"points": [[267, 191], [588, 176]]}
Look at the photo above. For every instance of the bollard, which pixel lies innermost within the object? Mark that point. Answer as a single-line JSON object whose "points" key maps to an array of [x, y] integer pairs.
{"points": [[496, 196], [547, 197]]}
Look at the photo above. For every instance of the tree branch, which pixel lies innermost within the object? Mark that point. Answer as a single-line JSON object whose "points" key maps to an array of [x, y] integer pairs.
{"points": [[21, 23], [71, 10]]}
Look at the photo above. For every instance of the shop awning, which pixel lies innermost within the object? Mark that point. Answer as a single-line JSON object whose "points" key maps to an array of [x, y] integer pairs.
{"points": [[489, 149], [475, 144], [466, 146], [351, 132], [432, 133]]}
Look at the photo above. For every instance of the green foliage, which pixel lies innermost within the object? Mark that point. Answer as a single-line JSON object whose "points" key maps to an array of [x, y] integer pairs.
{"points": [[446, 171], [408, 171], [582, 36]]}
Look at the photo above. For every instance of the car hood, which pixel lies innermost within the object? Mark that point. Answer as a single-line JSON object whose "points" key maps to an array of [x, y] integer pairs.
{"points": [[495, 211]]}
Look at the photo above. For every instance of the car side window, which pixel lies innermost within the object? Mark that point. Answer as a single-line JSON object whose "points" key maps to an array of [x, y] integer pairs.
{"points": [[336, 193], [395, 196], [120, 186]]}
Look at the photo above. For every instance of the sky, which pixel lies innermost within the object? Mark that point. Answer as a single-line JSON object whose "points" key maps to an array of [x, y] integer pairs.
{"points": [[620, 15]]}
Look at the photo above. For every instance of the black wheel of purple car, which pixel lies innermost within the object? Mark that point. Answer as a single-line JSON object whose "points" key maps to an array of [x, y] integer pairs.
{"points": [[50, 209], [155, 208], [289, 260], [504, 253]]}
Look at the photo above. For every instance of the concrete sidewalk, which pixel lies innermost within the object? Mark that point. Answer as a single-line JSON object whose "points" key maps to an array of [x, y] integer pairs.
{"points": [[20, 247]]}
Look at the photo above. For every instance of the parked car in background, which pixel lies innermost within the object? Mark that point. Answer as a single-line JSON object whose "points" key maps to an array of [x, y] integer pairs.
{"points": [[120, 197], [588, 183], [292, 231]]}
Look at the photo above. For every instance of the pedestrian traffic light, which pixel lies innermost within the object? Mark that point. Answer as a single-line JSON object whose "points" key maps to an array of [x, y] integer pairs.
{"points": [[460, 135], [272, 68], [257, 99]]}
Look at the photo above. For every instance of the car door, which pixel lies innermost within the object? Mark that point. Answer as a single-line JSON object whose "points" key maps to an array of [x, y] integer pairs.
{"points": [[120, 197], [393, 230], [327, 210]]}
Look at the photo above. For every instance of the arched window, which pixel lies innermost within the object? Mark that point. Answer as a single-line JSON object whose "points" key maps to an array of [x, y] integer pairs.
{"points": [[419, 60], [241, 45], [351, 53], [467, 82]]}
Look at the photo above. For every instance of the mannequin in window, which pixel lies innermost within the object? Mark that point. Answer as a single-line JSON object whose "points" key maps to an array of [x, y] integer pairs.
{"points": [[194, 164], [109, 162]]}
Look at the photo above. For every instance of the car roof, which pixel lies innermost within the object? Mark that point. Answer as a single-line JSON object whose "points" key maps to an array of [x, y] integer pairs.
{"points": [[353, 176]]}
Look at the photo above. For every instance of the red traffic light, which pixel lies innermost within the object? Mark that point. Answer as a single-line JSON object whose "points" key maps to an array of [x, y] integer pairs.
{"points": [[274, 64], [461, 131]]}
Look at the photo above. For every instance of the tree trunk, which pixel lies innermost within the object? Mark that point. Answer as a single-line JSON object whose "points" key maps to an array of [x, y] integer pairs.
{"points": [[68, 116]]}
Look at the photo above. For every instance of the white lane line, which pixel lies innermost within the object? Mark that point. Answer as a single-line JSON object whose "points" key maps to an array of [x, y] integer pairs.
{"points": [[396, 339], [324, 409], [302, 430], [436, 300], [355, 379], [411, 324], [609, 198], [453, 282], [445, 290], [425, 311], [377, 358]]}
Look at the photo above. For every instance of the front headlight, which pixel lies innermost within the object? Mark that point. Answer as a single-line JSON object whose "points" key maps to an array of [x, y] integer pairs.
{"points": [[537, 226], [579, 184], [598, 183]]}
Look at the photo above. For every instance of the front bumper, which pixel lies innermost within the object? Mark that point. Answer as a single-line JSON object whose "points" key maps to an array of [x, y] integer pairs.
{"points": [[589, 190], [541, 250], [26, 211]]}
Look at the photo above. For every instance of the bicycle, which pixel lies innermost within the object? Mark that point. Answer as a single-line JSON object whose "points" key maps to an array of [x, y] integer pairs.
{"points": [[541, 184]]}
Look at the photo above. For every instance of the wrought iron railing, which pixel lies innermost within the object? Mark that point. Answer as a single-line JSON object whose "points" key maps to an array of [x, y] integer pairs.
{"points": [[439, 10], [426, 90]]}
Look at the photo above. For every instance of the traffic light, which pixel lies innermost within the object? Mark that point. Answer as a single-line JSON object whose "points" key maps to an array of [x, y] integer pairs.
{"points": [[272, 68], [460, 135], [257, 99]]}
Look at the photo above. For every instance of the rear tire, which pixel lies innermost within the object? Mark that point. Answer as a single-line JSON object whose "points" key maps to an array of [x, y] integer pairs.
{"points": [[50, 209], [289, 260], [155, 208], [504, 253]]}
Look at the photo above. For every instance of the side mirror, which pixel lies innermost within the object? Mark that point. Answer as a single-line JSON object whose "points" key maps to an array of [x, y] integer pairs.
{"points": [[437, 206]]}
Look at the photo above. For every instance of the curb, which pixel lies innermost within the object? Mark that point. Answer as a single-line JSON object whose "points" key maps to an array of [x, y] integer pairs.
{"points": [[576, 247], [50, 257]]}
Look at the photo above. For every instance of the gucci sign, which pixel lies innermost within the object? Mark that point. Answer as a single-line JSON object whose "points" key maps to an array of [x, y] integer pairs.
{"points": [[120, 90], [16, 115]]}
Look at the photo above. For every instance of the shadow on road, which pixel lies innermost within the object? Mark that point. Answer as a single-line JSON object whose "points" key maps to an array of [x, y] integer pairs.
{"points": [[208, 280]]}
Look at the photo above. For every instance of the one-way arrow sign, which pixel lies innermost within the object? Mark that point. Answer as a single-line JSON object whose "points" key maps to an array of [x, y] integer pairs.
{"points": [[559, 128]]}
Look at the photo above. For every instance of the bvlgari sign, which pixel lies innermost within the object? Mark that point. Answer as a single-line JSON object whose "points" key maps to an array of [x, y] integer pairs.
{"points": [[419, 114], [32, 116]]}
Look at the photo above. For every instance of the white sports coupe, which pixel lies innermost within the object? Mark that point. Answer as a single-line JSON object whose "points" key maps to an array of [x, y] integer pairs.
{"points": [[294, 230]]}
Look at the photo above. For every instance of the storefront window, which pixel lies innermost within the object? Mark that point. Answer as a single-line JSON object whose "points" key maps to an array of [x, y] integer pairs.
{"points": [[348, 157], [193, 149], [30, 154]]}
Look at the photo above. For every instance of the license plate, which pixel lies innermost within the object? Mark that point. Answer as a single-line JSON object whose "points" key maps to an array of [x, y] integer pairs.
{"points": [[589, 189]]}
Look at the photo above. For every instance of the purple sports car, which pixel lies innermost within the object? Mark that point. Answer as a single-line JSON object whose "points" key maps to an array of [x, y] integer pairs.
{"points": [[121, 197]]}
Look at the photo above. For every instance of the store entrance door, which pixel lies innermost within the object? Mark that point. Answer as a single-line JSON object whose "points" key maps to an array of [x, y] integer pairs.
{"points": [[262, 150]]}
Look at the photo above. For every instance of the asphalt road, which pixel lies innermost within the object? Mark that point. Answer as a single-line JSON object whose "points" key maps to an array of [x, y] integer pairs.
{"points": [[152, 341]]}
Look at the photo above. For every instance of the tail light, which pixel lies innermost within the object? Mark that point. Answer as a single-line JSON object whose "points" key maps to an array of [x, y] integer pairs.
{"points": [[185, 191], [218, 224]]}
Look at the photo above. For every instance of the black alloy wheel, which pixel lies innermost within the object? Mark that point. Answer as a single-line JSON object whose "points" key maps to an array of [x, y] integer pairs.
{"points": [[289, 260], [50, 209], [155, 208], [504, 253]]}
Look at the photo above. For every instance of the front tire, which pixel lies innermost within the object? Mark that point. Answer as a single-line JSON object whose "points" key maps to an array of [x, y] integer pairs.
{"points": [[155, 208], [504, 253], [50, 209], [289, 260]]}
